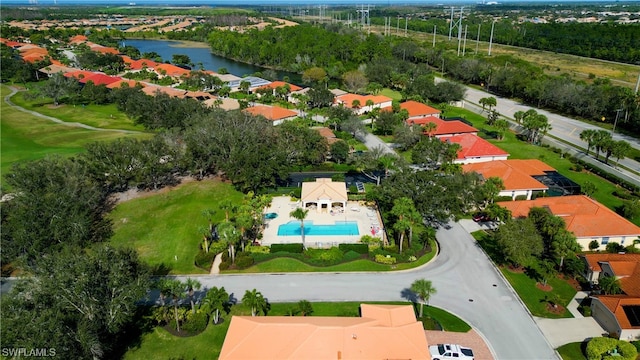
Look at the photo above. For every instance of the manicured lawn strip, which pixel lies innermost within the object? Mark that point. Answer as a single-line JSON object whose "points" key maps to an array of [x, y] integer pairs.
{"points": [[160, 344], [100, 116], [166, 226], [521, 150], [572, 351], [26, 137], [534, 298], [294, 265], [393, 94]]}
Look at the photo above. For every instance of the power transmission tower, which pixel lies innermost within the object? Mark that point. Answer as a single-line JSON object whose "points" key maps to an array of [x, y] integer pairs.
{"points": [[456, 24]]}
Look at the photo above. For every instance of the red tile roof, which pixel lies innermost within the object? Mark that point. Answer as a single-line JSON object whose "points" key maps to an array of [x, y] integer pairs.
{"points": [[474, 146], [416, 109], [276, 84], [79, 74], [347, 99], [584, 216], [271, 112], [105, 49], [444, 128], [100, 79], [154, 90], [327, 134], [142, 63], [120, 83], [170, 70], [78, 39], [515, 174], [616, 304]]}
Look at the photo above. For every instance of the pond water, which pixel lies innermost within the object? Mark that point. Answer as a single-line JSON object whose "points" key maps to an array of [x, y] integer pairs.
{"points": [[201, 54]]}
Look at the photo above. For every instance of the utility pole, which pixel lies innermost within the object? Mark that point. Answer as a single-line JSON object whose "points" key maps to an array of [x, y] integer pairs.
{"points": [[493, 24], [406, 23], [615, 122], [451, 24], [434, 35], [638, 83], [398, 26], [478, 40], [464, 44]]}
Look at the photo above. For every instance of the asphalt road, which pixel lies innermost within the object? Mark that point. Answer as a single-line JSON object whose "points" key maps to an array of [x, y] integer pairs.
{"points": [[467, 284], [562, 127]]}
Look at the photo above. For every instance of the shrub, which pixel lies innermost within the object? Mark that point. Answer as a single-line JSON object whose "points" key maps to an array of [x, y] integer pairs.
{"points": [[393, 248], [353, 189], [521, 197], [196, 322], [503, 198], [224, 265], [576, 168], [204, 259], [296, 193], [626, 195], [636, 344], [351, 255], [385, 259], [614, 248], [258, 249], [244, 260], [627, 350], [218, 247], [324, 256], [585, 310], [359, 248], [368, 239], [594, 244], [599, 347], [291, 248]]}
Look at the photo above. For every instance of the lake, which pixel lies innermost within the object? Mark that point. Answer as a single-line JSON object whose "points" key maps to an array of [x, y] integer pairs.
{"points": [[200, 54]]}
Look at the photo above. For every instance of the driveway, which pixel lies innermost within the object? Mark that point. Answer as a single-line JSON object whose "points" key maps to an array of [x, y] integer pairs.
{"points": [[468, 285], [371, 142]]}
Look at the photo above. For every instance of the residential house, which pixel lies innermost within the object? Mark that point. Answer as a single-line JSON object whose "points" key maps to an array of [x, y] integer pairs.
{"points": [[122, 82], [328, 134], [443, 128], [142, 64], [276, 114], [100, 79], [170, 70], [517, 175], [54, 69], [474, 149], [155, 90], [586, 218], [223, 103], [417, 109], [79, 74], [382, 332], [276, 84], [254, 82], [617, 314], [348, 101]]}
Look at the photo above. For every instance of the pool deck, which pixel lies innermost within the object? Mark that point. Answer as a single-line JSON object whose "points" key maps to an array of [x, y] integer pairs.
{"points": [[366, 218]]}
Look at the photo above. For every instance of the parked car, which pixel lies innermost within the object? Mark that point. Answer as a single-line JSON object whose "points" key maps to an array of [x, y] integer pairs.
{"points": [[480, 217], [450, 351]]}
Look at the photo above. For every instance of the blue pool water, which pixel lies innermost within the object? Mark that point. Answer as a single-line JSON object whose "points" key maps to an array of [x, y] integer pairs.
{"points": [[340, 228], [270, 216]]}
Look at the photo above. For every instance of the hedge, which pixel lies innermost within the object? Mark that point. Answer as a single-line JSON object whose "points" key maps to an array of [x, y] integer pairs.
{"points": [[601, 348], [290, 248], [382, 259], [359, 248], [204, 260]]}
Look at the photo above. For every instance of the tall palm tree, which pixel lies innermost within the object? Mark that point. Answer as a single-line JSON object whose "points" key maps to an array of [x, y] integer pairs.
{"points": [[588, 137], [215, 300], [300, 214], [610, 285], [429, 128], [191, 286], [518, 116], [255, 301], [175, 290], [424, 289], [600, 139], [405, 211], [231, 235]]}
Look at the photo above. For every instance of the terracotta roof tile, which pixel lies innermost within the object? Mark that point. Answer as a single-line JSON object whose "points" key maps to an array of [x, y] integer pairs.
{"points": [[154, 90], [616, 304], [142, 63], [513, 175], [347, 99], [120, 83], [271, 112], [100, 79], [171, 70], [416, 109], [79, 74], [474, 146], [276, 84], [584, 216], [379, 334], [443, 128]]}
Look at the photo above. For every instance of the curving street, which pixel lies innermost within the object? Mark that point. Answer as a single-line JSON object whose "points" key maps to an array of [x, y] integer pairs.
{"points": [[468, 285]]}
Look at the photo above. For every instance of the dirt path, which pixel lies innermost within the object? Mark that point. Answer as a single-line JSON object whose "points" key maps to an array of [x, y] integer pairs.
{"points": [[7, 99]]}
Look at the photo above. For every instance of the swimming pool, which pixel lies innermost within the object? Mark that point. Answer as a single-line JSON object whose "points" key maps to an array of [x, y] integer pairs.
{"points": [[292, 228]]}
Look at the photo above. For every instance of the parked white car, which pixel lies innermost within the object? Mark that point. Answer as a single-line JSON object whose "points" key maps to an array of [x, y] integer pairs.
{"points": [[450, 351]]}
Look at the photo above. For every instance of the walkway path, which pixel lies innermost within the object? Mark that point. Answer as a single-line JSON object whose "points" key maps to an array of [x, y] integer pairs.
{"points": [[215, 267], [7, 99]]}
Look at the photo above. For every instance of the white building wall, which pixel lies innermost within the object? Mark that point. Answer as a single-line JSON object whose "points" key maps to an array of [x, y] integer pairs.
{"points": [[604, 317], [604, 240], [479, 159]]}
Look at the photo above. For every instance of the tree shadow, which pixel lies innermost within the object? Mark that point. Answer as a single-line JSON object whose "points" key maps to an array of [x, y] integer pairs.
{"points": [[161, 269], [533, 273], [406, 293], [131, 336]]}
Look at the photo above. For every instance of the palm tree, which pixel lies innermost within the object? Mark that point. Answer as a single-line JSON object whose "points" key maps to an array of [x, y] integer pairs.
{"points": [[405, 211], [300, 214], [588, 136], [305, 307], [518, 116], [192, 285], [600, 139], [610, 285], [231, 235], [175, 290], [226, 206], [255, 301], [424, 289], [621, 149], [356, 104], [245, 220], [502, 125], [429, 128], [215, 300], [369, 103]]}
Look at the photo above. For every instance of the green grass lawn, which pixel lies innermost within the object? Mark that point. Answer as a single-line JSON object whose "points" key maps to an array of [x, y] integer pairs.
{"points": [[522, 150], [294, 265], [535, 299], [100, 116], [160, 344], [572, 351], [26, 137], [164, 228], [393, 94]]}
